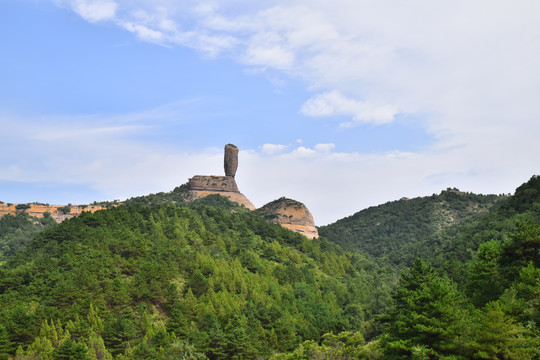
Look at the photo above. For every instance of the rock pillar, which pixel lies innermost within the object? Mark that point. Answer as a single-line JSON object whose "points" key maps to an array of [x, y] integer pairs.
{"points": [[231, 160]]}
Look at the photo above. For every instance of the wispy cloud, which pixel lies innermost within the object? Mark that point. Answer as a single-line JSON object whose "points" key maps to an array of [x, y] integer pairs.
{"points": [[334, 103], [273, 148], [95, 10], [325, 147]]}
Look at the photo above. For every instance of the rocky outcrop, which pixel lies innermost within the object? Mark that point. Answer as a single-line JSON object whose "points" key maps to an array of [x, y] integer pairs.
{"points": [[57, 212], [291, 214], [213, 183], [201, 186], [231, 160]]}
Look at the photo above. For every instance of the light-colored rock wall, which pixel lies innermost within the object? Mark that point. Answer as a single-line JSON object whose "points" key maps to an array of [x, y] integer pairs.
{"points": [[292, 215], [213, 183], [38, 210]]}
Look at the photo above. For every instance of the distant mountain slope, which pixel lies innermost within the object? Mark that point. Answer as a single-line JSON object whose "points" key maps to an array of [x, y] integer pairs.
{"points": [[17, 230], [403, 230], [497, 224]]}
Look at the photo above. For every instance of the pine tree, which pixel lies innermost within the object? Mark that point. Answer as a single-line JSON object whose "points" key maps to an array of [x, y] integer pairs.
{"points": [[498, 337], [485, 283], [428, 311], [5, 343], [70, 350]]}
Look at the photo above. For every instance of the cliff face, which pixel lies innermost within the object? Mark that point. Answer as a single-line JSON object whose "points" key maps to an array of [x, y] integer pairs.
{"points": [[203, 185], [57, 212], [292, 215], [213, 183]]}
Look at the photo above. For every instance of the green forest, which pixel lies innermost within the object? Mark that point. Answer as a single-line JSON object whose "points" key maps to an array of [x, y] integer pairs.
{"points": [[449, 276]]}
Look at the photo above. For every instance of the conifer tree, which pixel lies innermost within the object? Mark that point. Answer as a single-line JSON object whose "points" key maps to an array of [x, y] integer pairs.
{"points": [[428, 312], [485, 283], [499, 337], [5, 343]]}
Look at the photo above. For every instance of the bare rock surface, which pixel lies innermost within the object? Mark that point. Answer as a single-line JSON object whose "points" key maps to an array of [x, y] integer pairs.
{"points": [[291, 214], [213, 183], [58, 212], [231, 160]]}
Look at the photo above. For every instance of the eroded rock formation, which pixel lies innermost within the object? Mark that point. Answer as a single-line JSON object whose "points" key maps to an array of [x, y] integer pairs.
{"points": [[203, 185], [213, 183], [231, 160], [292, 215]]}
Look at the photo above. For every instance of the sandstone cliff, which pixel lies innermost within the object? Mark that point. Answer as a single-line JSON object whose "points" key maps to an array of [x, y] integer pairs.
{"points": [[57, 212], [291, 214], [213, 183]]}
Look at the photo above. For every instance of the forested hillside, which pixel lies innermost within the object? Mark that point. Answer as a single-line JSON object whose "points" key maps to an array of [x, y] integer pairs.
{"points": [[401, 231], [17, 231], [479, 300], [141, 282], [157, 278]]}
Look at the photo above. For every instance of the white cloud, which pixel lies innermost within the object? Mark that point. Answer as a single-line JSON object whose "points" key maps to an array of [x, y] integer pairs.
{"points": [[273, 148], [270, 56], [324, 147], [95, 10], [334, 103], [55, 134], [143, 32]]}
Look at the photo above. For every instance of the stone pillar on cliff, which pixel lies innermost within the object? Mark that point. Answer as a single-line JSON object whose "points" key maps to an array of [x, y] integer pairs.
{"points": [[231, 160]]}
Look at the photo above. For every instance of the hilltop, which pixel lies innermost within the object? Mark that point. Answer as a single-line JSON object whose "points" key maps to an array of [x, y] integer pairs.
{"points": [[291, 214], [403, 230]]}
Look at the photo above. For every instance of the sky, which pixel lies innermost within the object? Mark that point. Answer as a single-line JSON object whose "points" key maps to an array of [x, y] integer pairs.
{"points": [[341, 104]]}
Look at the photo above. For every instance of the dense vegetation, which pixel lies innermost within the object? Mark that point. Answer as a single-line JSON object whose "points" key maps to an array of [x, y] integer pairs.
{"points": [[16, 231], [159, 278], [142, 282], [398, 232]]}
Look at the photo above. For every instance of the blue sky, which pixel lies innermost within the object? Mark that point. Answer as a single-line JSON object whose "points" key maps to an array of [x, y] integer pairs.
{"points": [[341, 105]]}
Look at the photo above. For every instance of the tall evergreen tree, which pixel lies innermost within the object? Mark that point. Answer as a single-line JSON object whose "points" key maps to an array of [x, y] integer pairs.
{"points": [[427, 313], [5, 343], [499, 337], [484, 282]]}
